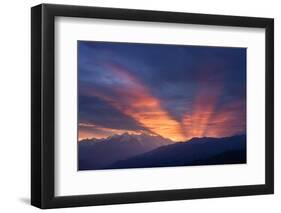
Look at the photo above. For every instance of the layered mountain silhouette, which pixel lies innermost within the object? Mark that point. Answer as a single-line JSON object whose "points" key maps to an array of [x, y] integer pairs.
{"points": [[99, 153], [142, 151]]}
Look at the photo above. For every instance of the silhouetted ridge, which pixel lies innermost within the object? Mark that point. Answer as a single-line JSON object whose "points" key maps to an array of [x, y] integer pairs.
{"points": [[197, 151]]}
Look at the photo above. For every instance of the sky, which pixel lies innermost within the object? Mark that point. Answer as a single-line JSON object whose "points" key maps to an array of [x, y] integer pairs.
{"points": [[175, 91]]}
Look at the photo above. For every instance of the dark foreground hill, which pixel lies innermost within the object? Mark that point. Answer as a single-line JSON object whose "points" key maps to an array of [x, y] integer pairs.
{"points": [[197, 151]]}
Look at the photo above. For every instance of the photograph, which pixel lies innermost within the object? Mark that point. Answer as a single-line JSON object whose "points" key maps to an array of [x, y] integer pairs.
{"points": [[145, 105]]}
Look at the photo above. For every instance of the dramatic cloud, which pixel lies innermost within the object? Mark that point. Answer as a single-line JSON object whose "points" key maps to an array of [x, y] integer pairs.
{"points": [[130, 97], [174, 91]]}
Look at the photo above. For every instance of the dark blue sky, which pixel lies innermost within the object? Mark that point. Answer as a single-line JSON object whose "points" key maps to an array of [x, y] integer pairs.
{"points": [[176, 91]]}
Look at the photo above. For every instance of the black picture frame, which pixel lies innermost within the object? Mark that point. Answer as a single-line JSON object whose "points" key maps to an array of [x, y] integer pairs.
{"points": [[43, 102]]}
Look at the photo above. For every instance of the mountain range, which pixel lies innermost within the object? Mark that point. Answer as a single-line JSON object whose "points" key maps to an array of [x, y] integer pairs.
{"points": [[99, 153], [140, 151]]}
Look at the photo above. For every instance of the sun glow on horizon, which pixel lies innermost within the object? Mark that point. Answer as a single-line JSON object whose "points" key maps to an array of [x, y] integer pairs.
{"points": [[103, 131]]}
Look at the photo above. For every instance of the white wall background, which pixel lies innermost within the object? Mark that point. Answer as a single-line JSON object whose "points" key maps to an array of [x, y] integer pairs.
{"points": [[15, 105]]}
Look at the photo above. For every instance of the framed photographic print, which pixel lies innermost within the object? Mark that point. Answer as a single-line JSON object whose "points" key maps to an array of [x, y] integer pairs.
{"points": [[139, 106]]}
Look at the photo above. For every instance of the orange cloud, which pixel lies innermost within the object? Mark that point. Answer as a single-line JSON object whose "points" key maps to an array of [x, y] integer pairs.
{"points": [[206, 122], [136, 101], [195, 124]]}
